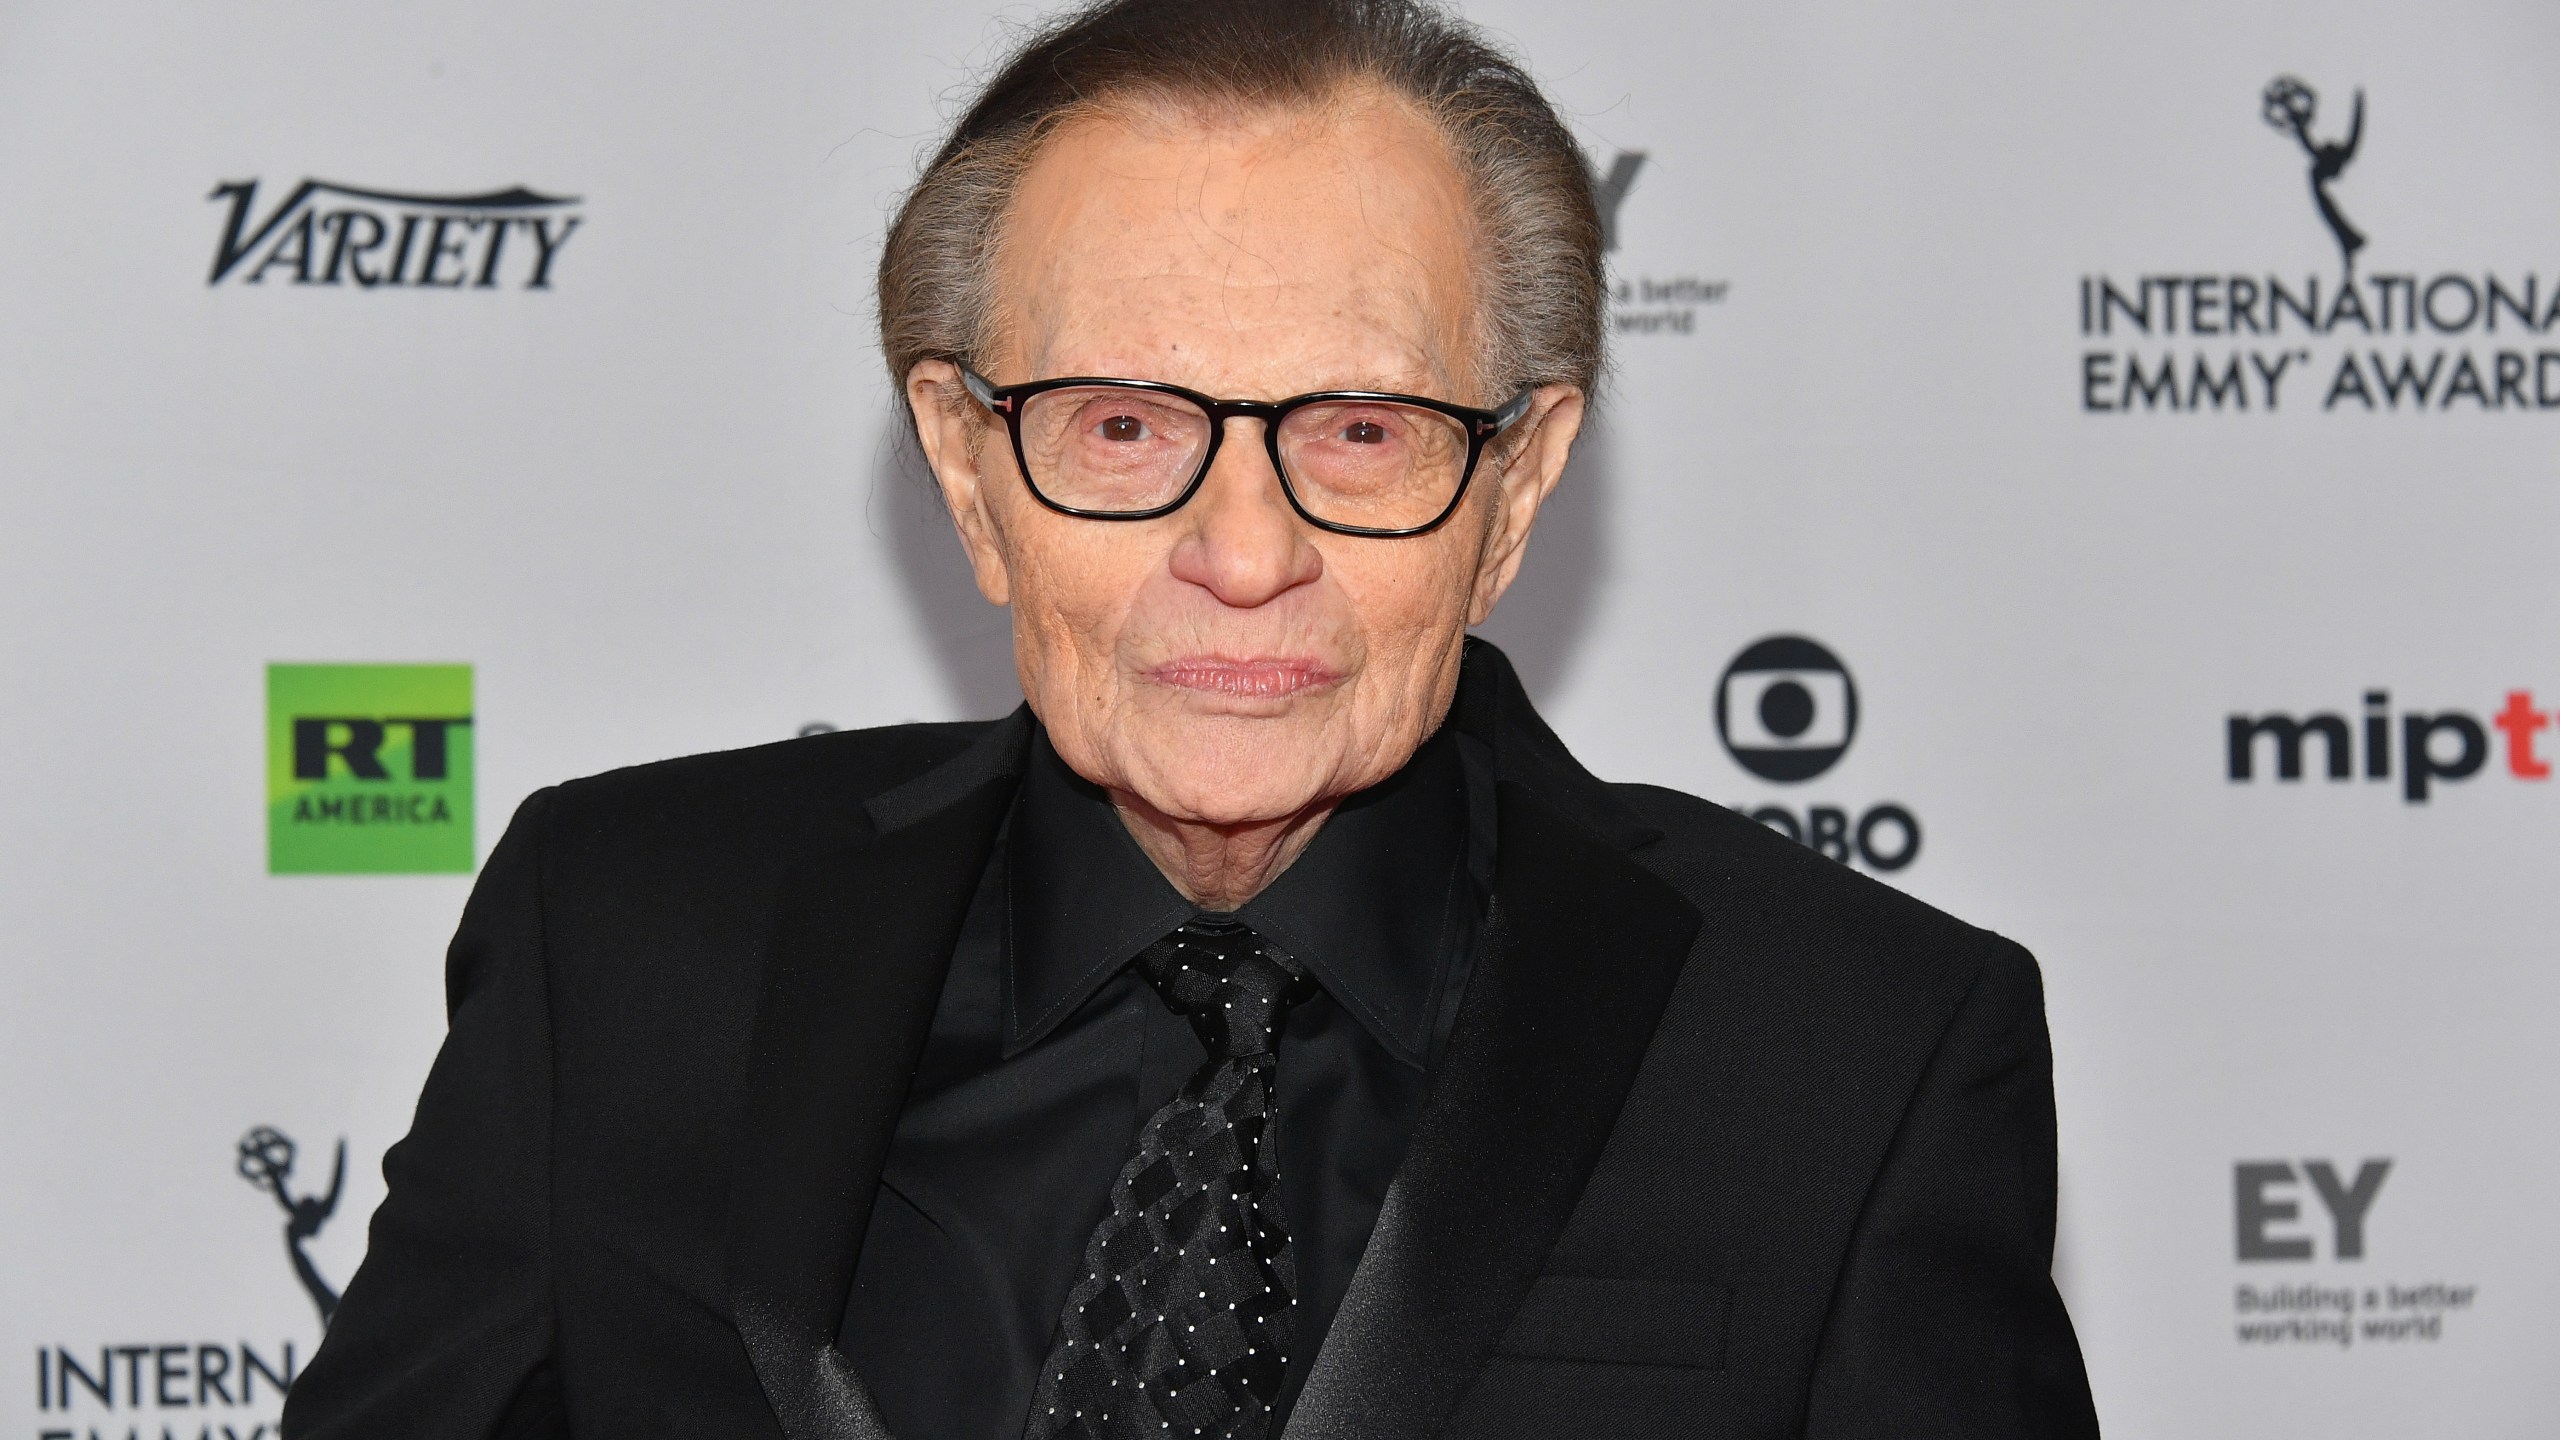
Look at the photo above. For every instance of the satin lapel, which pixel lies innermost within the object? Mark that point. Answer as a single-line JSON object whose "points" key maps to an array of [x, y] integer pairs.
{"points": [[1583, 951], [857, 963]]}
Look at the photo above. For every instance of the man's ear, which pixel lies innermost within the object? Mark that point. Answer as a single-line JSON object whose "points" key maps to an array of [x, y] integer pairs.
{"points": [[1533, 461], [951, 431]]}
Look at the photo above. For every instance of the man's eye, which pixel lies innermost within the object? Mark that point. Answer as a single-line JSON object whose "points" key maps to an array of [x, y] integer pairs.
{"points": [[1365, 432], [1124, 428]]}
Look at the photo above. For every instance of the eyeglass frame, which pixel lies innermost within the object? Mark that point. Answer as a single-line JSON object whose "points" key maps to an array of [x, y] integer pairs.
{"points": [[1481, 425]]}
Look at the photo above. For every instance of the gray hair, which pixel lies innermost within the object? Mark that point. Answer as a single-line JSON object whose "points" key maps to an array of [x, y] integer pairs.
{"points": [[1537, 232]]}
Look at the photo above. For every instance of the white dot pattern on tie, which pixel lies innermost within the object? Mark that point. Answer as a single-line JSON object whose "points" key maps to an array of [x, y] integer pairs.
{"points": [[1203, 1346]]}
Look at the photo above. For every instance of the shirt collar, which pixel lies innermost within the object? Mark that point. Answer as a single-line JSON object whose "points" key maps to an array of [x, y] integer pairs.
{"points": [[1382, 900]]}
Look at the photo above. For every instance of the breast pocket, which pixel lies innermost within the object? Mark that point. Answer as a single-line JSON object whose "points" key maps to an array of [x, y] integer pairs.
{"points": [[1620, 1322], [1591, 1355]]}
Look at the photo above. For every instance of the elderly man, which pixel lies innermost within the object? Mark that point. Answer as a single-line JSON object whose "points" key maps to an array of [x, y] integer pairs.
{"points": [[1270, 1026]]}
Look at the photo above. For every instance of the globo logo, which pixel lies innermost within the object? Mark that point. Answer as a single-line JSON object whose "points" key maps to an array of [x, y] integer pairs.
{"points": [[1787, 711]]}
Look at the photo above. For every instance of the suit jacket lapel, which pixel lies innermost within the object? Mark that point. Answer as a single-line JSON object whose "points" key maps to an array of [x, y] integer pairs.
{"points": [[1579, 961], [861, 944], [1583, 950]]}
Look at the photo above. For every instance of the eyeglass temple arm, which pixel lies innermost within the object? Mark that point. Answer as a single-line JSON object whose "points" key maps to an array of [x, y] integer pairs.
{"points": [[977, 385], [1509, 414]]}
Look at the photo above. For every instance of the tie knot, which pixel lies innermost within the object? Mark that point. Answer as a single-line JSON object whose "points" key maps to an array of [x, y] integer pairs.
{"points": [[1234, 986]]}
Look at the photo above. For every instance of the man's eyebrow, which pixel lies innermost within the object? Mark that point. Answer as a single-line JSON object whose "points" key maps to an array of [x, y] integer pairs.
{"points": [[1401, 380]]}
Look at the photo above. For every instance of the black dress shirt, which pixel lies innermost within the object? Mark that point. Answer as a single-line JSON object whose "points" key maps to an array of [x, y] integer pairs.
{"points": [[1047, 1054]]}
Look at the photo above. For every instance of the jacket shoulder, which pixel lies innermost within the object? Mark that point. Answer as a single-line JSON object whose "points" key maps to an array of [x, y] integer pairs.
{"points": [[1741, 870], [797, 790]]}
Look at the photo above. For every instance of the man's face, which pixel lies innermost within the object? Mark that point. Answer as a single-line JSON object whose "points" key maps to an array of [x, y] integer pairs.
{"points": [[1230, 663]]}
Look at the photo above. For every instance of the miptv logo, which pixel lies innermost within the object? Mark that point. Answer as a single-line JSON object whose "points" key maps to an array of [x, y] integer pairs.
{"points": [[2421, 749]]}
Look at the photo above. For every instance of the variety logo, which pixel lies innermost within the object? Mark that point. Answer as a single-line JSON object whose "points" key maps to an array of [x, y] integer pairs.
{"points": [[369, 769], [326, 234], [1787, 710], [1645, 304], [2423, 750], [2245, 339]]}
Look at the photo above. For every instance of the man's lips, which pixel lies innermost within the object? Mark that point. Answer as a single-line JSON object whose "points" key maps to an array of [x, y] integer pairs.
{"points": [[1263, 679]]}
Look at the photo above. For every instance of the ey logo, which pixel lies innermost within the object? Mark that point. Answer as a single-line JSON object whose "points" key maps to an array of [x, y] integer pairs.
{"points": [[2267, 1206], [369, 770]]}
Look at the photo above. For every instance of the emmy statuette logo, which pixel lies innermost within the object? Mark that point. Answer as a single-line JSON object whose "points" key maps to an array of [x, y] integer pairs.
{"points": [[2289, 105], [266, 1161]]}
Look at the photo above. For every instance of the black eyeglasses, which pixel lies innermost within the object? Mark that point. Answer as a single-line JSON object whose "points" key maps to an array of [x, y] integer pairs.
{"points": [[1355, 462]]}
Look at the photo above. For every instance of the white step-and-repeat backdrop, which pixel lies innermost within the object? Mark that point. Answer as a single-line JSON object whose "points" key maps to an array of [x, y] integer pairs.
{"points": [[2107, 459]]}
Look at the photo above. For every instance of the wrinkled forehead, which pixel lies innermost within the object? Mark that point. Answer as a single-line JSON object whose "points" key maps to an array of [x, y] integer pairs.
{"points": [[1247, 251]]}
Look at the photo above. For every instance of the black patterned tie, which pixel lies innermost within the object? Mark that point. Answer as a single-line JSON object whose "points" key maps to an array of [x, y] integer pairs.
{"points": [[1180, 1325]]}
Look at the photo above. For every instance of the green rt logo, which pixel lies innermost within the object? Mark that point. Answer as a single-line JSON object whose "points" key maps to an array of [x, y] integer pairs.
{"points": [[369, 770]]}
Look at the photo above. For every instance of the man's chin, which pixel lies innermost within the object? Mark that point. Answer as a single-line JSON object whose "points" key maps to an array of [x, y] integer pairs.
{"points": [[1212, 779]]}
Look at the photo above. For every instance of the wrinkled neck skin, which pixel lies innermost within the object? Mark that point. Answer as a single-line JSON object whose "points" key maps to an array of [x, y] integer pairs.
{"points": [[1220, 867]]}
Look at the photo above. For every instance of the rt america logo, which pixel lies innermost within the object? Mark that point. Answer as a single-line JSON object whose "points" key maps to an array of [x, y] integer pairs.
{"points": [[320, 233], [1787, 710], [369, 770]]}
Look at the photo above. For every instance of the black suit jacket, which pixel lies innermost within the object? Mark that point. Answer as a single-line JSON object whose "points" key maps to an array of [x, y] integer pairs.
{"points": [[1727, 1140]]}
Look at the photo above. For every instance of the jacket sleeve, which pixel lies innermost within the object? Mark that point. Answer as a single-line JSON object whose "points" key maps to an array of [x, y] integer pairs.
{"points": [[1946, 1321], [446, 1329]]}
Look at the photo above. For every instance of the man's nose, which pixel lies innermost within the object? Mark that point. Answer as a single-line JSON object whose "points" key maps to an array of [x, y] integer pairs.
{"points": [[1244, 544]]}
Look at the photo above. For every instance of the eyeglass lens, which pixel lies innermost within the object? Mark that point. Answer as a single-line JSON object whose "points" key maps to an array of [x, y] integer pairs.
{"points": [[1374, 464]]}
